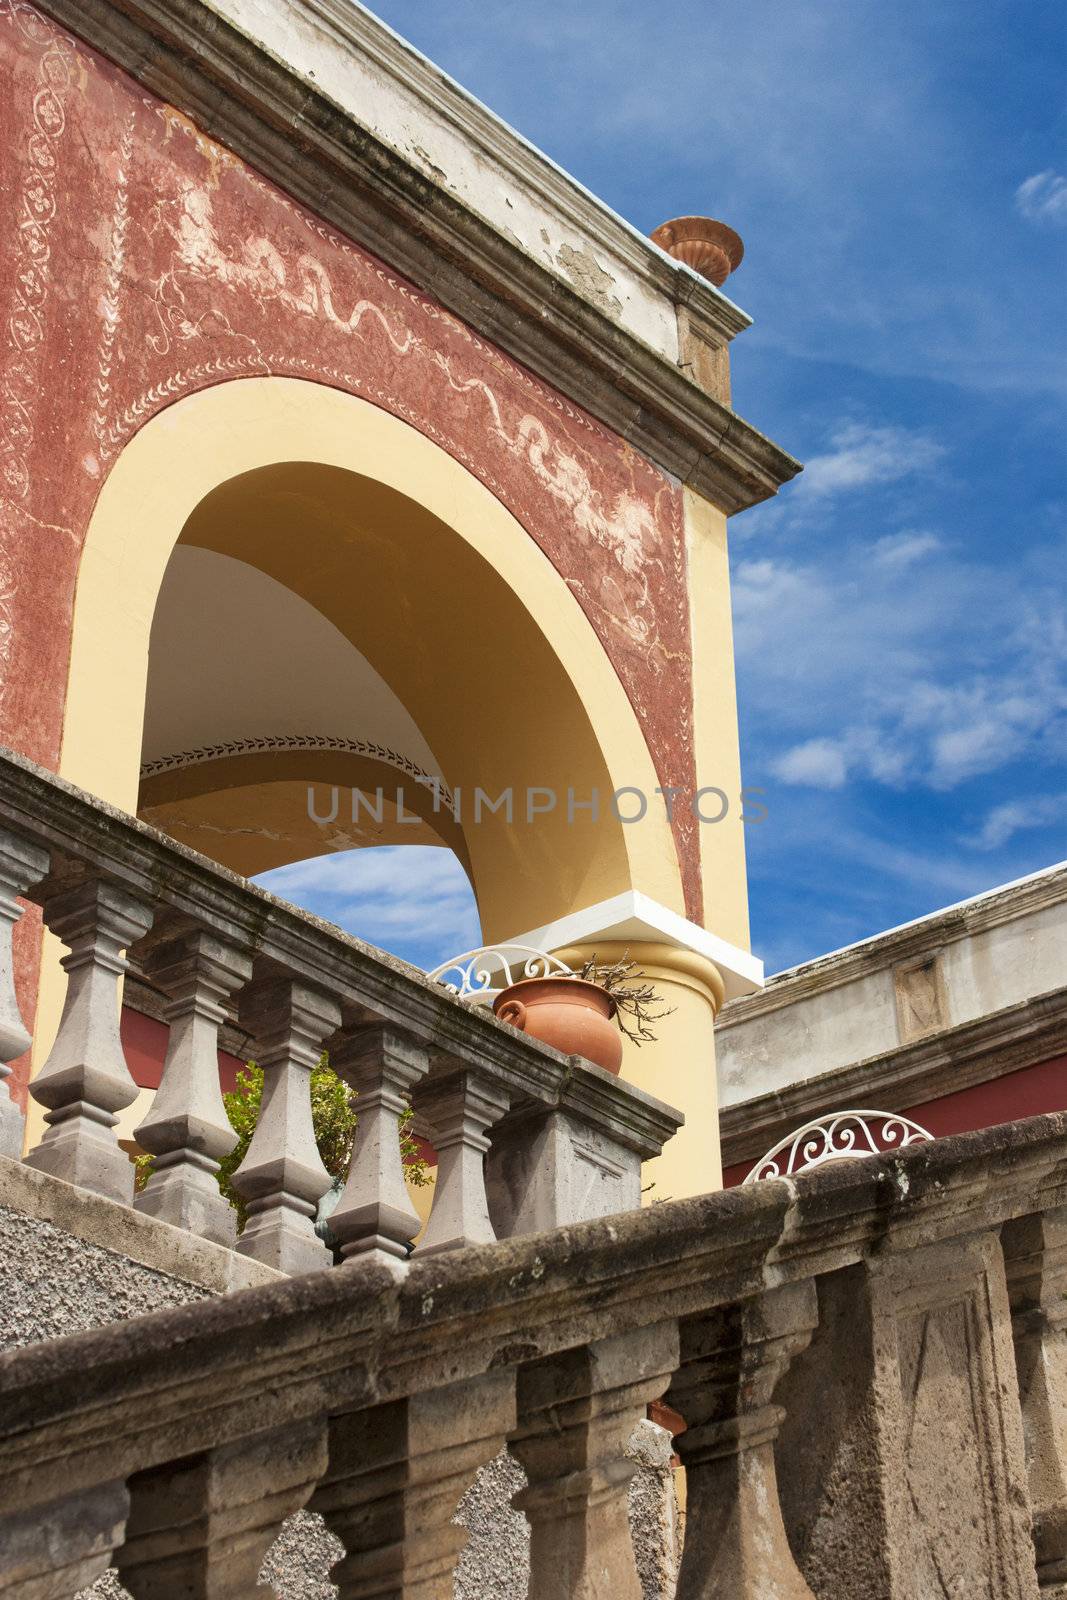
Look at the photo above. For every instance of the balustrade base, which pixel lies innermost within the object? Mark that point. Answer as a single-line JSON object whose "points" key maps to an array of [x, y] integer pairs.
{"points": [[284, 1241], [188, 1197], [80, 1148]]}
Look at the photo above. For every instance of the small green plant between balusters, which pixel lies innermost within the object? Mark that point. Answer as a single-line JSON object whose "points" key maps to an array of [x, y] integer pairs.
{"points": [[333, 1116]]}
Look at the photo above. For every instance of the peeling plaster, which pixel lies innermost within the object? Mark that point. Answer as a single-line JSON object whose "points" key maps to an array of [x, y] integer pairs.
{"points": [[586, 273]]}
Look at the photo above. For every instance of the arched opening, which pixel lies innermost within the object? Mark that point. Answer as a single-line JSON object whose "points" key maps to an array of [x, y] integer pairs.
{"points": [[330, 666], [284, 585]]}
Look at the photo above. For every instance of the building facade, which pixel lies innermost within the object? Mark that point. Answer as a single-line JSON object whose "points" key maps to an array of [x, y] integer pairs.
{"points": [[957, 1020], [348, 448], [347, 443]]}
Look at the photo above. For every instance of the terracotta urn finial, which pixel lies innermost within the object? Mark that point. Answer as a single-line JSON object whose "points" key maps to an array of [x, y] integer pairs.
{"points": [[709, 247]]}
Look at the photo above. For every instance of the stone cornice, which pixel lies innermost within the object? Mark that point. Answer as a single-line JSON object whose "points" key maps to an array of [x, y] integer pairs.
{"points": [[361, 31], [911, 942], [237, 91], [957, 1058]]}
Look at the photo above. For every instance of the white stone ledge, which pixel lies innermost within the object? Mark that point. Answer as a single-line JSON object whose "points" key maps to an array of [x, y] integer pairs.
{"points": [[633, 917], [385, 84]]}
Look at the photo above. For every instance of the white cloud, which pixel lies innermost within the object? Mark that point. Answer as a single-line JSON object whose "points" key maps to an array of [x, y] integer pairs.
{"points": [[897, 550], [414, 900], [901, 662], [979, 746], [1013, 816], [1043, 198], [862, 455], [817, 763]]}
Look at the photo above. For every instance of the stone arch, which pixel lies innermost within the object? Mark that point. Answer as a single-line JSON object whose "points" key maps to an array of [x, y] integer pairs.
{"points": [[431, 577]]}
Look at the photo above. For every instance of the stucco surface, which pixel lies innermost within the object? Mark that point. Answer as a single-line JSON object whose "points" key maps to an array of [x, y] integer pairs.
{"points": [[655, 1525], [149, 262], [52, 1284], [496, 1563]]}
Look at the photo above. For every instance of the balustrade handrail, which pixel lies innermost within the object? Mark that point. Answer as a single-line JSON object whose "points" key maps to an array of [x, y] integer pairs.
{"points": [[649, 1295], [91, 834], [109, 885], [365, 1329]]}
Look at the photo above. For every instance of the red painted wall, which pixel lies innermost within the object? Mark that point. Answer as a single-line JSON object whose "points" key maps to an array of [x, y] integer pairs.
{"points": [[140, 261], [1026, 1093], [144, 1043]]}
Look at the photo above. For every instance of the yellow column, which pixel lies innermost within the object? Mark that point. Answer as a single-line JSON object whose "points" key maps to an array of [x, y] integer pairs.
{"points": [[679, 1066], [715, 737]]}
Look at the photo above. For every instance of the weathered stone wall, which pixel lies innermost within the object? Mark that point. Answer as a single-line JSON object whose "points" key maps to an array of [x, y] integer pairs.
{"points": [[60, 1274], [987, 955]]}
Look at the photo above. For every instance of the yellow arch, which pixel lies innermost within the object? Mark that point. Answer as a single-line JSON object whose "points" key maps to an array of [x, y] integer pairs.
{"points": [[208, 439]]}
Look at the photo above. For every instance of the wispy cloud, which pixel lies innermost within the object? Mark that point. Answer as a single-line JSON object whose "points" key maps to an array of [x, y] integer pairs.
{"points": [[897, 659], [413, 900], [861, 455], [818, 763], [899, 550], [1015, 816], [1043, 198]]}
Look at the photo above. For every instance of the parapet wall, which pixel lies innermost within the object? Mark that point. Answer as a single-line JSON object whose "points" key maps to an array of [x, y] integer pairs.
{"points": [[72, 1261], [887, 1334]]}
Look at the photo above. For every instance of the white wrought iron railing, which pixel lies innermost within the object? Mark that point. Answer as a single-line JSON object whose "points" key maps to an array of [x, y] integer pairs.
{"points": [[478, 976], [839, 1136]]}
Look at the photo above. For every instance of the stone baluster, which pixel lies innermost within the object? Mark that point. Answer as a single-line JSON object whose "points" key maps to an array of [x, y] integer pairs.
{"points": [[460, 1105], [200, 1528], [730, 1363], [21, 865], [65, 1546], [85, 1080], [186, 1129], [576, 1415], [282, 1178], [374, 1213], [1035, 1253], [396, 1476]]}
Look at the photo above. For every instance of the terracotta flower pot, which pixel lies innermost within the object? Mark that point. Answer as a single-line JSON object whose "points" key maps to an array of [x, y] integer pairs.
{"points": [[706, 245], [571, 1015]]}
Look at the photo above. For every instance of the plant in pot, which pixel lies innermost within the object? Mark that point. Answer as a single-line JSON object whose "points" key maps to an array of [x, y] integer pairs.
{"points": [[587, 1012]]}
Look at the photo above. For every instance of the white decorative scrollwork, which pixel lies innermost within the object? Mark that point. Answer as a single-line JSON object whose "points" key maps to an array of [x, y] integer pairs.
{"points": [[479, 976], [838, 1137]]}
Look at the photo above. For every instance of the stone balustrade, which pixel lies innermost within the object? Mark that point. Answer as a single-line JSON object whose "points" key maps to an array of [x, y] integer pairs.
{"points": [[871, 1360], [113, 890]]}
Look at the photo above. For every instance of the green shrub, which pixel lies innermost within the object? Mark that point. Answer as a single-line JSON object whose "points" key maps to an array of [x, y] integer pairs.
{"points": [[333, 1116]]}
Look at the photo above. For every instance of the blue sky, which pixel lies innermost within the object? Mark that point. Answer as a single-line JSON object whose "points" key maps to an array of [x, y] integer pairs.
{"points": [[898, 176]]}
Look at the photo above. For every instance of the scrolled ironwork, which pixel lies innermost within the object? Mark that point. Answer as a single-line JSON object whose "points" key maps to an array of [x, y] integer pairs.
{"points": [[839, 1136], [478, 976]]}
